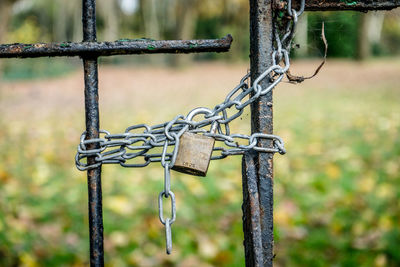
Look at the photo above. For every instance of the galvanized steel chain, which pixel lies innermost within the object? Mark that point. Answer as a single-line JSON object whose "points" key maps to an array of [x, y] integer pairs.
{"points": [[167, 193], [138, 141]]}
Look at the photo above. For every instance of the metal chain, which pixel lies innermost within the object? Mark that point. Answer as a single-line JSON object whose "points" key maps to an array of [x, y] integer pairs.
{"points": [[133, 147], [167, 193]]}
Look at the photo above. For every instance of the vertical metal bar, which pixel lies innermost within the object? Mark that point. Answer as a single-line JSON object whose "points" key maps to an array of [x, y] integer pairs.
{"points": [[258, 167], [92, 131]]}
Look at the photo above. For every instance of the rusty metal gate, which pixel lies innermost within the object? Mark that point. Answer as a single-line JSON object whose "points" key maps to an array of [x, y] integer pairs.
{"points": [[257, 166]]}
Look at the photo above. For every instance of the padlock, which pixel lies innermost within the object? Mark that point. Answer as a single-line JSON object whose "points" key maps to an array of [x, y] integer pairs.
{"points": [[195, 150]]}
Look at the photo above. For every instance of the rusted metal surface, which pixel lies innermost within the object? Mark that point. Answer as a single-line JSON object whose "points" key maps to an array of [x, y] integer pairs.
{"points": [[120, 47], [358, 5], [92, 131], [93, 175], [258, 171], [251, 212]]}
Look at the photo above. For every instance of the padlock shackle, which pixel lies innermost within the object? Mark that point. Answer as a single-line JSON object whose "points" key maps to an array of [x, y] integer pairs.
{"points": [[197, 111], [202, 110]]}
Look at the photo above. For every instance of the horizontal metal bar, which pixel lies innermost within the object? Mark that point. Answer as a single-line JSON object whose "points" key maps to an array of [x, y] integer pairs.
{"points": [[119, 47], [331, 5]]}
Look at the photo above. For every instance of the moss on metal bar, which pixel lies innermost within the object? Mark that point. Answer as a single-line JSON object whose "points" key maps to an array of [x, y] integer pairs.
{"points": [[329, 5], [119, 47]]}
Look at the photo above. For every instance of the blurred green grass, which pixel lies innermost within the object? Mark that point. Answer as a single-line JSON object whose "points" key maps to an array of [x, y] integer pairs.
{"points": [[337, 190], [29, 69]]}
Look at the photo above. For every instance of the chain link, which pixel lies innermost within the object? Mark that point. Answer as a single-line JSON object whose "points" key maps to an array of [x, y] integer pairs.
{"points": [[135, 148], [167, 193]]}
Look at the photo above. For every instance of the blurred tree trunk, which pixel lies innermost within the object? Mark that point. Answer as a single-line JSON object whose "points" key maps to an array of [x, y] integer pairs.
{"points": [[67, 21], [151, 24], [375, 27], [77, 32], [5, 16], [369, 32], [60, 27], [186, 19], [363, 45], [169, 17], [186, 25], [301, 36], [109, 11]]}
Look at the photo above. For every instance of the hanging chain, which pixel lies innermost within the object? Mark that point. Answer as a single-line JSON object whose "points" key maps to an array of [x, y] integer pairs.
{"points": [[167, 193], [133, 147]]}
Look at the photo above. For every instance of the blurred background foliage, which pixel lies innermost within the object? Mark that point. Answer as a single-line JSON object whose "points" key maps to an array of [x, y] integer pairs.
{"points": [[337, 191], [349, 34]]}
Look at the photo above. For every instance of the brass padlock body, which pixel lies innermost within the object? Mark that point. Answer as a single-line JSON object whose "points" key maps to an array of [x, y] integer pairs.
{"points": [[194, 154]]}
